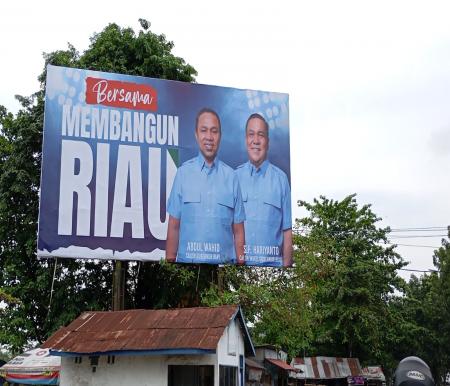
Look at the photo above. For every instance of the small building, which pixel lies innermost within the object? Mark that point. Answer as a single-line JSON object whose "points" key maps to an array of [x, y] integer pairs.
{"points": [[269, 351], [374, 376], [254, 372], [179, 347], [273, 370], [330, 371]]}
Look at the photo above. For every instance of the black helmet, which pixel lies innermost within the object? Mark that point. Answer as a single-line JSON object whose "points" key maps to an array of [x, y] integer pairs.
{"points": [[413, 371]]}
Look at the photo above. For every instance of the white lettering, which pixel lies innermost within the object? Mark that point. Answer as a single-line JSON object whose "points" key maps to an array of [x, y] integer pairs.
{"points": [[100, 88], [77, 184], [101, 190], [162, 129], [71, 120], [128, 166], [114, 129], [85, 121], [158, 228], [138, 127], [117, 125], [99, 123], [173, 130], [71, 183], [119, 94], [127, 134], [150, 129]]}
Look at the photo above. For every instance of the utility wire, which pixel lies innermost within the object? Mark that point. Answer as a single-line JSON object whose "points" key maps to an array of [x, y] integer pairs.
{"points": [[418, 270], [398, 230], [415, 236], [415, 245], [425, 229]]}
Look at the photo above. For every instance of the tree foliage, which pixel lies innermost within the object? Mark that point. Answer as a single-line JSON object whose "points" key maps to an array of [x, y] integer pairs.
{"points": [[335, 300], [424, 316], [274, 301], [353, 273], [343, 296], [25, 282]]}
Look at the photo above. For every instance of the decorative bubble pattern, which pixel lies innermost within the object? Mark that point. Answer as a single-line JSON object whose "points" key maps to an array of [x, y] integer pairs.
{"points": [[64, 85], [275, 110]]}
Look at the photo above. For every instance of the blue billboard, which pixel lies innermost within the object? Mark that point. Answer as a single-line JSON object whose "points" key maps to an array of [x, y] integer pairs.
{"points": [[146, 169]]}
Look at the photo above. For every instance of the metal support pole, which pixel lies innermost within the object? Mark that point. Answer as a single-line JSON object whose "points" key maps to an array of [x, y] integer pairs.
{"points": [[118, 301]]}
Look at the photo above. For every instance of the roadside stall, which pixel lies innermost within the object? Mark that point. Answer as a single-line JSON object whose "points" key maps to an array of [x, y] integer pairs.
{"points": [[33, 367]]}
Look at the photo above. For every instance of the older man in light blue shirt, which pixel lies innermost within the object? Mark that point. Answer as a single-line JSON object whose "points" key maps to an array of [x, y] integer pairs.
{"points": [[267, 201], [206, 213]]}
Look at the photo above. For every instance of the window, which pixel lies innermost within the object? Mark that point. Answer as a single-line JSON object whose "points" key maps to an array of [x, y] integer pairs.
{"points": [[228, 376], [232, 337], [241, 370], [191, 375]]}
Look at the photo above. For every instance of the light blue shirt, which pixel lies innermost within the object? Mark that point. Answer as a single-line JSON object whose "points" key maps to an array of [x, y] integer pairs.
{"points": [[207, 201], [267, 201]]}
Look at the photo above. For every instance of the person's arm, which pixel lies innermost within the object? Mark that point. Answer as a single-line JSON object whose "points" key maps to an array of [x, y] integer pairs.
{"points": [[239, 241], [173, 235], [287, 248], [286, 222], [173, 228], [238, 222]]}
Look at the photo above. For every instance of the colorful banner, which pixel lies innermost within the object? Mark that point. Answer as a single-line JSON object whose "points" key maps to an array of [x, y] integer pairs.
{"points": [[33, 367], [135, 167]]}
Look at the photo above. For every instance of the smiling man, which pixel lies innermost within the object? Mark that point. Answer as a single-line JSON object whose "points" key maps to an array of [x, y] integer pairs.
{"points": [[267, 201], [206, 213]]}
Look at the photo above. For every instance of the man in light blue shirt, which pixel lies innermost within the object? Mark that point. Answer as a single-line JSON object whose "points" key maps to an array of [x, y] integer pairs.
{"points": [[267, 201], [206, 213]]}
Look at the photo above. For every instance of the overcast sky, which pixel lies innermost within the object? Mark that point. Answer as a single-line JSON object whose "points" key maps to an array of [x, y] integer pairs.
{"points": [[369, 86]]}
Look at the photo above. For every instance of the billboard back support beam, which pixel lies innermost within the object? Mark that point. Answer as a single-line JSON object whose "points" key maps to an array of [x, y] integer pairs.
{"points": [[118, 300]]}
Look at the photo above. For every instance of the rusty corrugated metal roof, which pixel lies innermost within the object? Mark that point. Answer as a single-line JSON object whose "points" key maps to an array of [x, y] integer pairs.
{"points": [[281, 364], [197, 328], [355, 367], [315, 367], [327, 367], [254, 364]]}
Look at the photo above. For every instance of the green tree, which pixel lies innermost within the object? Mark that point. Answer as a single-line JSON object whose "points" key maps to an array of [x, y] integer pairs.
{"points": [[437, 307], [352, 273], [415, 333], [78, 285], [274, 301], [335, 300], [440, 310], [423, 317]]}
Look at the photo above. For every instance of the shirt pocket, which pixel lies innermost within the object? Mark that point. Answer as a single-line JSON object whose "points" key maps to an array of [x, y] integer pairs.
{"points": [[272, 206], [244, 195], [225, 206], [191, 196], [191, 203]]}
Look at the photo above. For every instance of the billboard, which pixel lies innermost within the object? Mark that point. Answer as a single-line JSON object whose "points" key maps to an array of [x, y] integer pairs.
{"points": [[137, 168]]}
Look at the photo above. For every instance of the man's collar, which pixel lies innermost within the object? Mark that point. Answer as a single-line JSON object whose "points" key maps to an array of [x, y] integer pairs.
{"points": [[261, 169], [202, 162]]}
